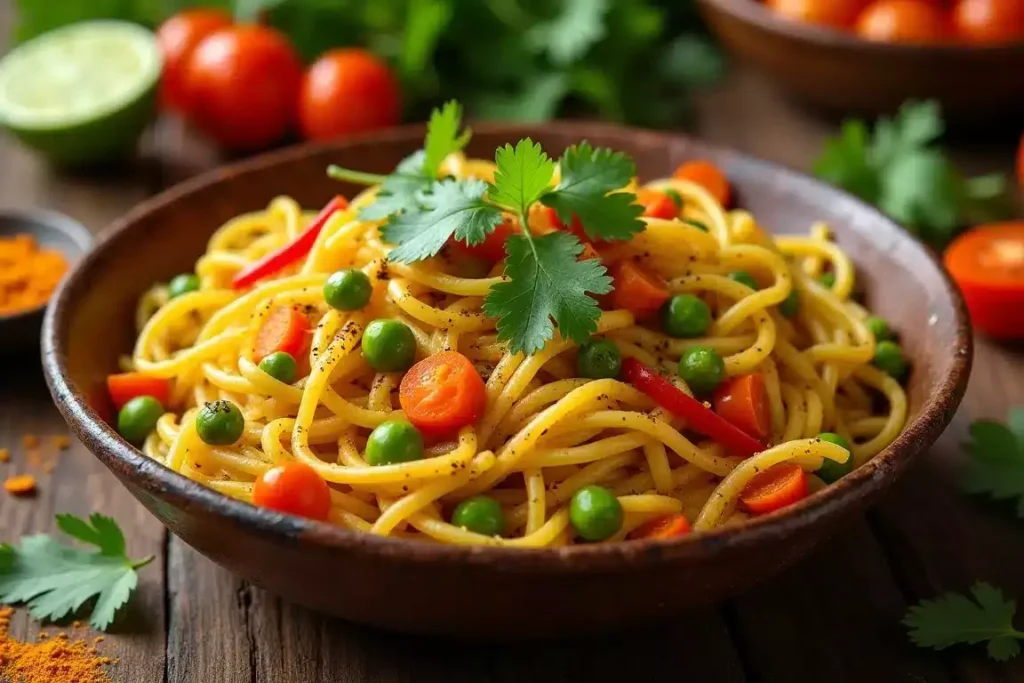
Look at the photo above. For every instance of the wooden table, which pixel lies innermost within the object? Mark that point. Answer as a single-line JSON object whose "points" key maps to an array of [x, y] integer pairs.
{"points": [[835, 617]]}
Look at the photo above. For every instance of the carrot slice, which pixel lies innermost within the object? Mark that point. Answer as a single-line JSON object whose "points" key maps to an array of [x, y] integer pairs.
{"points": [[774, 488], [708, 176], [442, 393], [284, 330], [669, 526], [743, 401], [637, 290], [128, 385], [656, 204], [988, 265]]}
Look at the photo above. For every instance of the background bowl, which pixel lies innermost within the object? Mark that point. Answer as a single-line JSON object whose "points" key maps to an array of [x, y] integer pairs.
{"points": [[839, 72], [53, 231], [489, 592]]}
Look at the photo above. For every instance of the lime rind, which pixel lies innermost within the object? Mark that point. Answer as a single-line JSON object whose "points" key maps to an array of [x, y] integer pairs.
{"points": [[83, 93]]}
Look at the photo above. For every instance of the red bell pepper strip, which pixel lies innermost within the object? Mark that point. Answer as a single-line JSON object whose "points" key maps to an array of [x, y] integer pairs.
{"points": [[697, 416], [277, 260]]}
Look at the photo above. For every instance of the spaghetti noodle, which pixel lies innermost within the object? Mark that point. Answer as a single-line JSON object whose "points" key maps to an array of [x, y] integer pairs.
{"points": [[547, 444]]}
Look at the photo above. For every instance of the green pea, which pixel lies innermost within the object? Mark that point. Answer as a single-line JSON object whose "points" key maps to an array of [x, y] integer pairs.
{"points": [[889, 359], [827, 280], [138, 417], [599, 359], [393, 442], [685, 315], [697, 224], [831, 470], [790, 306], [389, 345], [676, 198], [220, 423], [595, 513], [480, 514], [879, 328], [702, 369], [348, 290], [182, 284], [281, 366], [744, 278]]}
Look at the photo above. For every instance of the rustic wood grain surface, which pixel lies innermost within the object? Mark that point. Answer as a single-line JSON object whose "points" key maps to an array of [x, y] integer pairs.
{"points": [[835, 617]]}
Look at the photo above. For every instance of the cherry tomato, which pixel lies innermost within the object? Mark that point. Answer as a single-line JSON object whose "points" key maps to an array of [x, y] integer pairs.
{"points": [[178, 38], [835, 13], [294, 488], [493, 247], [902, 21], [989, 21], [988, 265], [241, 84], [347, 91]]}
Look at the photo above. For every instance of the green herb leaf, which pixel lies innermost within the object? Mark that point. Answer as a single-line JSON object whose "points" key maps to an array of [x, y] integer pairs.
{"points": [[916, 125], [954, 618], [997, 459], [922, 190], [522, 176], [568, 37], [537, 100], [588, 189], [443, 137], [693, 61], [56, 580], [546, 284], [845, 162], [454, 208]]}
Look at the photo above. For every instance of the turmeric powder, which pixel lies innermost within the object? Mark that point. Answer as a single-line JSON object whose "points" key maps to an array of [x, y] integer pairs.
{"points": [[28, 274], [51, 660], [20, 485]]}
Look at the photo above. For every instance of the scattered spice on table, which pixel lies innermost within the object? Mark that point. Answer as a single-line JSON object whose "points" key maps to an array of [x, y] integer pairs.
{"points": [[20, 485], [59, 659], [5, 455], [28, 274], [61, 442]]}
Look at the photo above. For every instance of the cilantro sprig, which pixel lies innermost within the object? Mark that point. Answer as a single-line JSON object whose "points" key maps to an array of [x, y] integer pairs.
{"points": [[546, 285], [902, 170], [56, 580], [954, 618], [997, 459]]}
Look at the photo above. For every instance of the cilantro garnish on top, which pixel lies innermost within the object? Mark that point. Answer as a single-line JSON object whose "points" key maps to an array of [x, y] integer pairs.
{"points": [[546, 283]]}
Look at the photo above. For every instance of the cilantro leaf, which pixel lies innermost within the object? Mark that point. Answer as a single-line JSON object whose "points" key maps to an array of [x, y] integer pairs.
{"points": [[571, 34], [56, 580], [922, 190], [845, 162], [522, 176], [955, 618], [547, 283], [915, 126], [588, 189], [443, 137], [452, 208], [997, 459]]}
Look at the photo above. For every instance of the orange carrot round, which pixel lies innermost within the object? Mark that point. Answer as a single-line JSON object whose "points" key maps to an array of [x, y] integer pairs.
{"points": [[128, 385], [656, 204], [284, 331], [442, 393], [637, 290], [743, 401], [669, 526], [708, 176], [774, 488]]}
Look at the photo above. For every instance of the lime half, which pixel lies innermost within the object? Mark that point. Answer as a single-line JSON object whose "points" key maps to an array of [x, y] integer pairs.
{"points": [[81, 94]]}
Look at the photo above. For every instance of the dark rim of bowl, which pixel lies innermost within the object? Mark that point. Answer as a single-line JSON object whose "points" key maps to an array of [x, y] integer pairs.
{"points": [[755, 12], [162, 482], [78, 233]]}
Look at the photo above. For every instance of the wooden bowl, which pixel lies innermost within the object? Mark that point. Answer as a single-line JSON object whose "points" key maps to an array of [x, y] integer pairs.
{"points": [[489, 592], [840, 72]]}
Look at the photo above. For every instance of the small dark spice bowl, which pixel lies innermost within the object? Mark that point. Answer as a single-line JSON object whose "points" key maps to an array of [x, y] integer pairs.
{"points": [[50, 230], [492, 592]]}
